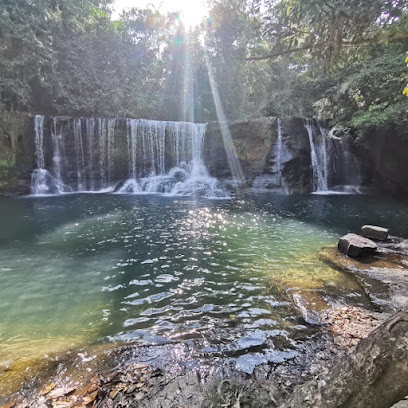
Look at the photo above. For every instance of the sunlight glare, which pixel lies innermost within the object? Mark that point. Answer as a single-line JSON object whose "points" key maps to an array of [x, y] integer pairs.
{"points": [[192, 11], [235, 166]]}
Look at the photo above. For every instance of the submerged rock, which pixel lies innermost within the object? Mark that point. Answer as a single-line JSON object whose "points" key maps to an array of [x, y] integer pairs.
{"points": [[374, 232], [355, 246]]}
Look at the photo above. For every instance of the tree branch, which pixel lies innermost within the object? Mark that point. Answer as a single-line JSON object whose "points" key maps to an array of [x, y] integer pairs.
{"points": [[400, 35]]}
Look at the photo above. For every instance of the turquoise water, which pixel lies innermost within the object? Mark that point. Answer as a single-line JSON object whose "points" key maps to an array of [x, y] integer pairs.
{"points": [[91, 268]]}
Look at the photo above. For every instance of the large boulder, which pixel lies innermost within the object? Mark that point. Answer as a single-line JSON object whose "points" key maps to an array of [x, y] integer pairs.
{"points": [[356, 246], [374, 232]]}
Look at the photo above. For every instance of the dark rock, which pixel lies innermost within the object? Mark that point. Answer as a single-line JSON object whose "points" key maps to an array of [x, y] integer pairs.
{"points": [[374, 232], [383, 152], [370, 376], [257, 153], [355, 246]]}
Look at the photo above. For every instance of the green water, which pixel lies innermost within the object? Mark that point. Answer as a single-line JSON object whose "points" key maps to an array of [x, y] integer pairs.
{"points": [[84, 269]]}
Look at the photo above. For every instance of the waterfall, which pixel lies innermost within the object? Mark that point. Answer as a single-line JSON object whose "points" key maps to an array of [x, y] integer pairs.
{"points": [[39, 176], [318, 156], [39, 140], [123, 155], [274, 179], [110, 132], [57, 159], [335, 168], [80, 159], [279, 156], [102, 150], [90, 132], [186, 175], [42, 181]]}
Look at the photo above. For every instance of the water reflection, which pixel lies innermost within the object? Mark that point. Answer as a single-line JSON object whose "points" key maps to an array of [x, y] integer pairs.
{"points": [[89, 268]]}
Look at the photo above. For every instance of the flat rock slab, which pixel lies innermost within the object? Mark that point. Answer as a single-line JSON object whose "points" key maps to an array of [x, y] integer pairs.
{"points": [[383, 276], [374, 232], [356, 246]]}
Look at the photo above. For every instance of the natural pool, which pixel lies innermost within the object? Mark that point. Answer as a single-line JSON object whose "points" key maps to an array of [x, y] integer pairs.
{"points": [[91, 268]]}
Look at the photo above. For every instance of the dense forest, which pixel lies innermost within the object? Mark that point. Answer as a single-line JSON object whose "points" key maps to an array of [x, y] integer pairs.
{"points": [[338, 59]]}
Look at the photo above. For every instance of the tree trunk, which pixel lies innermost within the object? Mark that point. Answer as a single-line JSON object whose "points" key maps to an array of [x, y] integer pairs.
{"points": [[374, 375]]}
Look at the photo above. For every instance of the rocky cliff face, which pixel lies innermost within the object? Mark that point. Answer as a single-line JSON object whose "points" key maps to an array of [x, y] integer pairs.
{"points": [[266, 163], [253, 142], [297, 169], [16, 152], [383, 152]]}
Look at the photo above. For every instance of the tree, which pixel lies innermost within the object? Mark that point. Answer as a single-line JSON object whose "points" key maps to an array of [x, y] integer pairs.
{"points": [[328, 27], [374, 375], [343, 58], [27, 35]]}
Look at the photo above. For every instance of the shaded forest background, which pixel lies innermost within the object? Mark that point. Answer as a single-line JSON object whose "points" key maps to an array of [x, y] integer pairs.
{"points": [[338, 59]]}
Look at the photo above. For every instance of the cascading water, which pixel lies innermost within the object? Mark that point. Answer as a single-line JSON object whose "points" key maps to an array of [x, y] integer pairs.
{"points": [[39, 140], [187, 173], [274, 178], [90, 131], [42, 181], [318, 156], [57, 158], [131, 185], [335, 168], [79, 153], [87, 156], [39, 176], [279, 156]]}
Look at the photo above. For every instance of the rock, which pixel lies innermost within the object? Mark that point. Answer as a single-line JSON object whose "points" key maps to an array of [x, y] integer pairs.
{"points": [[252, 139], [355, 246], [373, 375], [374, 232], [248, 362], [383, 276]]}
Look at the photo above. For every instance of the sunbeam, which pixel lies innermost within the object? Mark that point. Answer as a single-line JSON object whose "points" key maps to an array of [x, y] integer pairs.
{"points": [[234, 164], [188, 91]]}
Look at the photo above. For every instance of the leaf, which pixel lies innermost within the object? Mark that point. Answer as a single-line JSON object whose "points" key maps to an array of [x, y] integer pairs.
{"points": [[59, 392], [62, 404], [90, 398], [9, 405], [47, 388], [139, 366], [117, 390]]}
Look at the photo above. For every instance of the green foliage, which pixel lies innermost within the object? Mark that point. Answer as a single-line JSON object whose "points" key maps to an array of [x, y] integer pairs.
{"points": [[344, 60], [337, 59], [68, 57]]}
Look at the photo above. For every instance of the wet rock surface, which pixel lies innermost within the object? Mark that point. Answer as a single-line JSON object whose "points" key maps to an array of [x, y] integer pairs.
{"points": [[172, 376], [175, 375], [383, 276]]}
